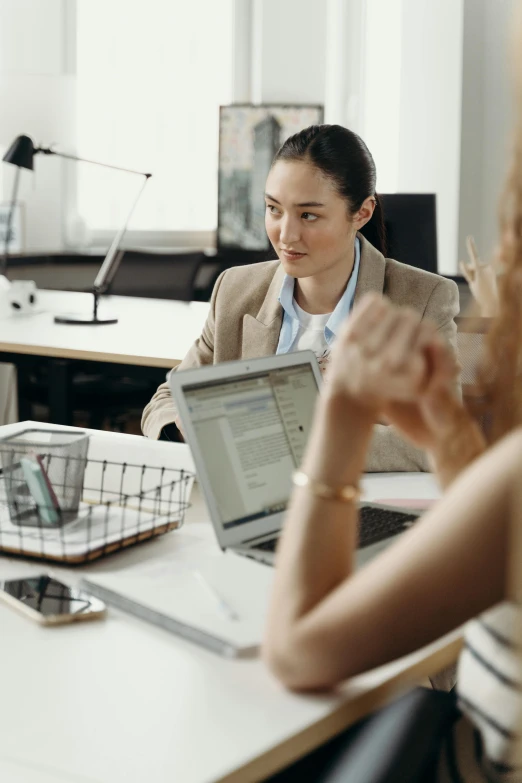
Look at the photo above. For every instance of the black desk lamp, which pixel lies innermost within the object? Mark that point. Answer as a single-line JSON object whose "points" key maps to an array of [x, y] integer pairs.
{"points": [[21, 154]]}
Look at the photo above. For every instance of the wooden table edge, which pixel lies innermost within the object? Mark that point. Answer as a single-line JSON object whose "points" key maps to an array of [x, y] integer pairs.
{"points": [[96, 356], [345, 715]]}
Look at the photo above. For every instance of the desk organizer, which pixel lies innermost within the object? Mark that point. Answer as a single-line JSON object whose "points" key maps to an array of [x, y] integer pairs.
{"points": [[59, 458], [103, 506]]}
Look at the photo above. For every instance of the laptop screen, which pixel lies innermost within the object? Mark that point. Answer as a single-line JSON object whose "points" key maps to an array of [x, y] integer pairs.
{"points": [[251, 431]]}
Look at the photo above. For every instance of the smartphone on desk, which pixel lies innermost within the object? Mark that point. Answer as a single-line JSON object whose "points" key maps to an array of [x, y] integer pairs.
{"points": [[50, 602]]}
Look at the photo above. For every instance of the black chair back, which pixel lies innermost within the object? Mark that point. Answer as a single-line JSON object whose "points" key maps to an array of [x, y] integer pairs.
{"points": [[410, 220], [157, 275]]}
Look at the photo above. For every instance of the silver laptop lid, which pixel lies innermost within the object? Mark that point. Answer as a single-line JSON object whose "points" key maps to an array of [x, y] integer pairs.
{"points": [[247, 423]]}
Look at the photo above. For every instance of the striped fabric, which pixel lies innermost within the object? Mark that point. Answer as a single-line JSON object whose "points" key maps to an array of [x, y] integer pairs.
{"points": [[486, 743]]}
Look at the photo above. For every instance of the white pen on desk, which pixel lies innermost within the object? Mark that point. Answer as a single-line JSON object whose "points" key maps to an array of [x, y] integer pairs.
{"points": [[220, 602]]}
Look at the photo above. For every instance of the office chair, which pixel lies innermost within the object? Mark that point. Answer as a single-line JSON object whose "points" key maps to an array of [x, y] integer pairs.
{"points": [[410, 221], [157, 275], [399, 743]]}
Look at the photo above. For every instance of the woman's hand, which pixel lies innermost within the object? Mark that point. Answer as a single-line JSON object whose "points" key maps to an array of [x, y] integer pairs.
{"points": [[437, 420], [482, 280], [380, 355], [388, 364], [432, 416]]}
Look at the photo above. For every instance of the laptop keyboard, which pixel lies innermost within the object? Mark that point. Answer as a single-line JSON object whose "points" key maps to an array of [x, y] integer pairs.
{"points": [[376, 524], [268, 546]]}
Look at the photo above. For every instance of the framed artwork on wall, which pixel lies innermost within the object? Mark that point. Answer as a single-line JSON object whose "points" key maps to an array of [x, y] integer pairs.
{"points": [[249, 137]]}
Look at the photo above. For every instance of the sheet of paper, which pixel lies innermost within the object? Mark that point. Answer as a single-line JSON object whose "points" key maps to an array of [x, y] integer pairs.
{"points": [[189, 593]]}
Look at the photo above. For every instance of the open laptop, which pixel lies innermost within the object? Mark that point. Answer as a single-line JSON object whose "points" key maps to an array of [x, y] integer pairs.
{"points": [[247, 423]]}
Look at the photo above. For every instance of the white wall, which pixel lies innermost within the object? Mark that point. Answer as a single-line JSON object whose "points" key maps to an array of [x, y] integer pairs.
{"points": [[381, 104], [288, 51], [430, 109], [344, 63], [388, 69], [36, 98], [378, 66], [412, 105], [486, 119], [426, 84]]}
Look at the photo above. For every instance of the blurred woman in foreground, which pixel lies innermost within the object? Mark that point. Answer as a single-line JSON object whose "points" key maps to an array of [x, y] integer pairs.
{"points": [[327, 622]]}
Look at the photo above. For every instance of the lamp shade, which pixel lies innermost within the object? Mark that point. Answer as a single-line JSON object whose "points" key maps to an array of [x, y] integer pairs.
{"points": [[21, 153]]}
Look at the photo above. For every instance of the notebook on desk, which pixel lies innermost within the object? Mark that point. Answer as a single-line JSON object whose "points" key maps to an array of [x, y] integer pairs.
{"points": [[219, 602], [247, 423]]}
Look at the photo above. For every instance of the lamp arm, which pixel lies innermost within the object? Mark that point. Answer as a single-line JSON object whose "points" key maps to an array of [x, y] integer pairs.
{"points": [[49, 151], [21, 154], [10, 222], [113, 257]]}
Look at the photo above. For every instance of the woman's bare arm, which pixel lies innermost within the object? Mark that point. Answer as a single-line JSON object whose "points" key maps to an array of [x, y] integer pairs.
{"points": [[327, 623]]}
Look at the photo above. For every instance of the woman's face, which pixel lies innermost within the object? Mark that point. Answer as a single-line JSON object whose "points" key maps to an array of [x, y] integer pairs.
{"points": [[307, 221]]}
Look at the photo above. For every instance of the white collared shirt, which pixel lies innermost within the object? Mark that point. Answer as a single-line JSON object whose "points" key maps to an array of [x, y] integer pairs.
{"points": [[301, 330]]}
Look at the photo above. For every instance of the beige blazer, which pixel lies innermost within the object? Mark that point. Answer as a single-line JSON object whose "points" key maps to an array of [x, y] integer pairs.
{"points": [[245, 320]]}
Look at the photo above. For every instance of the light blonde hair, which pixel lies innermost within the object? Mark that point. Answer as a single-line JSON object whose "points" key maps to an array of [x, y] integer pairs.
{"points": [[501, 372]]}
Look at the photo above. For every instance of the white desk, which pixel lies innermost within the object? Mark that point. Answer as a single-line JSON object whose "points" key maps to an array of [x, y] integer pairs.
{"points": [[121, 701], [150, 333]]}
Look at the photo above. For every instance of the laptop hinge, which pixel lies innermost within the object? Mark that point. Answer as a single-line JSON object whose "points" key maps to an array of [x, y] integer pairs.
{"points": [[271, 534]]}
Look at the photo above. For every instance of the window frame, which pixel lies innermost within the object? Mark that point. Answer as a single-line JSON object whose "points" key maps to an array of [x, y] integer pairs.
{"points": [[241, 92]]}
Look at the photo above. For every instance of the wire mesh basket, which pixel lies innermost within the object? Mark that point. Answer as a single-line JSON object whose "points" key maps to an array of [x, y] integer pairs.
{"points": [[43, 472], [59, 505]]}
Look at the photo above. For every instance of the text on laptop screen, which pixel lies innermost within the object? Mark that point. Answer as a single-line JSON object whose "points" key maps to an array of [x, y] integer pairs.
{"points": [[252, 431]]}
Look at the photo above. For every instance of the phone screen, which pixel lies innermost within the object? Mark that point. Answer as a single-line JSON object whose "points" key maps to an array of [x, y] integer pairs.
{"points": [[47, 596]]}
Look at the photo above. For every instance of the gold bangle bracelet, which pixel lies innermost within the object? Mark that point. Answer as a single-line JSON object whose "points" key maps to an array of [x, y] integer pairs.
{"points": [[346, 494]]}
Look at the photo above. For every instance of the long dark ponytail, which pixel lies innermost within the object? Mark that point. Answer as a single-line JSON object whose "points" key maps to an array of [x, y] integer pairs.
{"points": [[343, 157]]}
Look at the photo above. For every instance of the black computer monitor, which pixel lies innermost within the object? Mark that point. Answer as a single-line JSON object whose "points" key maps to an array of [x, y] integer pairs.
{"points": [[410, 220]]}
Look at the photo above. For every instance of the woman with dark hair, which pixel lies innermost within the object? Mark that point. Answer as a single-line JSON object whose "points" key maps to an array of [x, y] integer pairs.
{"points": [[320, 192]]}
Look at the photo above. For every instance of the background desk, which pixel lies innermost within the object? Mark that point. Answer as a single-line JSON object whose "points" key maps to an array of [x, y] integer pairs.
{"points": [[121, 701], [151, 337]]}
